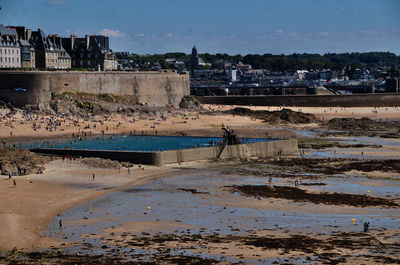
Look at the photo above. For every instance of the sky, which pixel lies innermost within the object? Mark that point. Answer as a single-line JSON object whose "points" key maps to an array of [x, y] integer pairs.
{"points": [[219, 26]]}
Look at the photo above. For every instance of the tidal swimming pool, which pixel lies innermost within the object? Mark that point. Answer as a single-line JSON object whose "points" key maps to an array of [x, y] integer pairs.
{"points": [[134, 143]]}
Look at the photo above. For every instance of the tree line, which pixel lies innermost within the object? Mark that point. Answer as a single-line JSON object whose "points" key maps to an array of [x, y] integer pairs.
{"points": [[335, 61]]}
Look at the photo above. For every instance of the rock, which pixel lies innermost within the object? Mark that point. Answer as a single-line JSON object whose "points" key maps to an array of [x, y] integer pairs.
{"points": [[275, 117], [190, 102]]}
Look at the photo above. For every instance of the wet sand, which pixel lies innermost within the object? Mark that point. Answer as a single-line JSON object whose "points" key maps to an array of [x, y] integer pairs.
{"points": [[28, 208], [197, 214]]}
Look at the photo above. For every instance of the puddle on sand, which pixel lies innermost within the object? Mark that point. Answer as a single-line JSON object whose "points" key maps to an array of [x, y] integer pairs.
{"points": [[198, 211], [343, 153], [361, 154], [368, 140]]}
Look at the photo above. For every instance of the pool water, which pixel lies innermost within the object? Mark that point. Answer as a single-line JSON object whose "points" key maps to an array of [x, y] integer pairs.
{"points": [[133, 143]]}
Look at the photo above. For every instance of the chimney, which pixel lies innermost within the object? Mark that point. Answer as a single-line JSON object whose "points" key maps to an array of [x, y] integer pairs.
{"points": [[28, 34], [72, 42], [87, 41]]}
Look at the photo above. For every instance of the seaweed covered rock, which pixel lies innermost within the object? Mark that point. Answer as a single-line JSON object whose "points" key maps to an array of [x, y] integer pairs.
{"points": [[190, 102], [276, 117], [20, 162]]}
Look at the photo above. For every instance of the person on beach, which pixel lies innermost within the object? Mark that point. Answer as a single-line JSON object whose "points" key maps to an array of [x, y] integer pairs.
{"points": [[366, 226], [9, 175], [60, 224], [93, 176], [15, 183]]}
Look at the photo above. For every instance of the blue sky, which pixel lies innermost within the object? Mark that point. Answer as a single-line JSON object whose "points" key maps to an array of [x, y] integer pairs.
{"points": [[219, 26]]}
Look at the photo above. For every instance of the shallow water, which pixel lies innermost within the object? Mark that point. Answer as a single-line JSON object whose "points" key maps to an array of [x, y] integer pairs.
{"points": [[204, 213], [362, 153], [368, 140], [344, 153]]}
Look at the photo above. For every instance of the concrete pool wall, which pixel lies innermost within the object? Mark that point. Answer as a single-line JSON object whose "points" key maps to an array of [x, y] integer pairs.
{"points": [[260, 149]]}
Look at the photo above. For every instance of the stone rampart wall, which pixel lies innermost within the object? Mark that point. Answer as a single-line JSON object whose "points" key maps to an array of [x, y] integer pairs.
{"points": [[153, 88], [359, 100]]}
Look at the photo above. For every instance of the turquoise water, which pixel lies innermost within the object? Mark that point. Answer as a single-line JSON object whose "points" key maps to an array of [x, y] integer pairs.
{"points": [[133, 143]]}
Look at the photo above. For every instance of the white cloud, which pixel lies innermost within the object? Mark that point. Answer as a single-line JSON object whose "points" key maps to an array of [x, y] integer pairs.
{"points": [[113, 33], [229, 37], [139, 35], [57, 2], [341, 8], [324, 34], [355, 9], [169, 35]]}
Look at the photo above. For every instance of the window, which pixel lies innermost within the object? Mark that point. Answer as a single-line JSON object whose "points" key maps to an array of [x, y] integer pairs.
{"points": [[1, 59], [81, 63], [1, 50], [88, 62], [5, 51]]}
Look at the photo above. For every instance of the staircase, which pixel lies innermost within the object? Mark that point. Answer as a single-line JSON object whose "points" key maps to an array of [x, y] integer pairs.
{"points": [[222, 147]]}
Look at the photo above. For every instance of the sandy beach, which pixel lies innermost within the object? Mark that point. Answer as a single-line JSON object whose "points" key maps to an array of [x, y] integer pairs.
{"points": [[29, 208], [19, 127]]}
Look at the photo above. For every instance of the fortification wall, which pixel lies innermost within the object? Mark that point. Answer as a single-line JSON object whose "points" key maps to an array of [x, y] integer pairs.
{"points": [[153, 88], [359, 100]]}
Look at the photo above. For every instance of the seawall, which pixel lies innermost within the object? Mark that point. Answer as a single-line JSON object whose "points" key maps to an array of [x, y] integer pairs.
{"points": [[359, 100], [165, 88], [260, 149]]}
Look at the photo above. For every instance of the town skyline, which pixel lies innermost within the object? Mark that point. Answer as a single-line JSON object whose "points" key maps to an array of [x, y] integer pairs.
{"points": [[232, 27]]}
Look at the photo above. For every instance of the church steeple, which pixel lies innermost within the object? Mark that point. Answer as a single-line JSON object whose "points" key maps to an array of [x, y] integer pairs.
{"points": [[194, 60], [194, 51]]}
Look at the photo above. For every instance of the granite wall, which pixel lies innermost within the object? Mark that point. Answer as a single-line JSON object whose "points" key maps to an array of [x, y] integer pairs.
{"points": [[165, 88]]}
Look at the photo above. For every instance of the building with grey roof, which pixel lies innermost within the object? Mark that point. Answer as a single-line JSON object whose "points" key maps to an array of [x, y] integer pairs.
{"points": [[27, 50], [90, 52], [27, 54], [50, 53], [10, 50]]}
